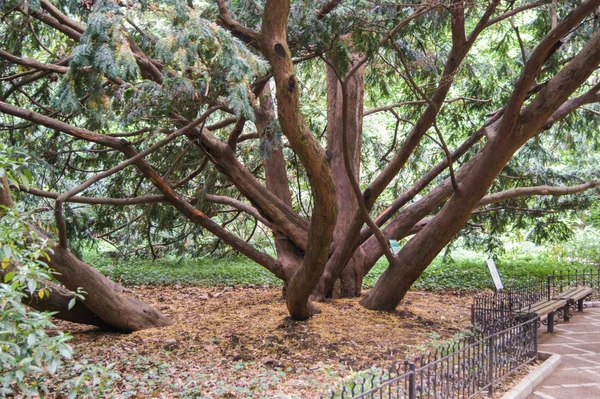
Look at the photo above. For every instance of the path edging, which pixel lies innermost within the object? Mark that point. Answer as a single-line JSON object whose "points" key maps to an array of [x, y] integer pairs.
{"points": [[528, 384]]}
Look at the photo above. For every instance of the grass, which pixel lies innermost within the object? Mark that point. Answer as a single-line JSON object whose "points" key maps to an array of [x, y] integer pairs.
{"points": [[466, 271]]}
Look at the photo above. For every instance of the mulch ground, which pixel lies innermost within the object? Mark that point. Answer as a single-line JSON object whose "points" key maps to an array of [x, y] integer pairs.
{"points": [[239, 343]]}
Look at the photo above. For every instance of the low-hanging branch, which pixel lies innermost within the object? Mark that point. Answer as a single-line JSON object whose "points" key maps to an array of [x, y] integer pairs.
{"points": [[149, 199], [148, 171], [31, 63], [537, 190]]}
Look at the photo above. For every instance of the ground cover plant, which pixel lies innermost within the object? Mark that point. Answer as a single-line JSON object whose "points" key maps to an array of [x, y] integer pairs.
{"points": [[467, 272]]}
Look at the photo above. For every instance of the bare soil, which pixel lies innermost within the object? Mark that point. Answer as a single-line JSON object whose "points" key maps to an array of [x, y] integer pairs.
{"points": [[239, 343]]}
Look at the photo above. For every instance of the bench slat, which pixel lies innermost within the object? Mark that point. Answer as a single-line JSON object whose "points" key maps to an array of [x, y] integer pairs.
{"points": [[544, 307], [574, 294]]}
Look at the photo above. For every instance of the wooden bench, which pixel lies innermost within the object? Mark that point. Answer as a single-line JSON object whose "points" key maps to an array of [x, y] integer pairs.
{"points": [[574, 295], [543, 308]]}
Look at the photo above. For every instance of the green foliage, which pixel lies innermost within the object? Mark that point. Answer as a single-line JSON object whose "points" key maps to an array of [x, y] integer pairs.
{"points": [[194, 63], [171, 270], [32, 351], [582, 248], [470, 273], [14, 166]]}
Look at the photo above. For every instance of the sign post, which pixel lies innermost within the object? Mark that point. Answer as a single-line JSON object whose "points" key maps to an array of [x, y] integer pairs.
{"points": [[495, 276]]}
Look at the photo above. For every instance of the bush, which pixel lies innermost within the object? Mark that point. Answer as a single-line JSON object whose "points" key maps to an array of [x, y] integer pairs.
{"points": [[32, 350]]}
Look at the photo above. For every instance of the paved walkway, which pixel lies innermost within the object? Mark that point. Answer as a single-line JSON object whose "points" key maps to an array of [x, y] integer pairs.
{"points": [[578, 342]]}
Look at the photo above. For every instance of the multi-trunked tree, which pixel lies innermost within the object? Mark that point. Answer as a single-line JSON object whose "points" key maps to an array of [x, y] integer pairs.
{"points": [[159, 107]]}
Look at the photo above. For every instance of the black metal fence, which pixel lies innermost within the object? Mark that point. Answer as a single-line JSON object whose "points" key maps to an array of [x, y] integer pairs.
{"points": [[499, 345], [563, 280], [460, 370], [490, 309]]}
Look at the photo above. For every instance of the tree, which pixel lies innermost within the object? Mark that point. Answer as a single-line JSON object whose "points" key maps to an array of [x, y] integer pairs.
{"points": [[195, 86]]}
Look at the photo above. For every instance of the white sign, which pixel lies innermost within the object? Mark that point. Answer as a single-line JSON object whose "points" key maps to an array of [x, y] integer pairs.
{"points": [[494, 272], [394, 246]]}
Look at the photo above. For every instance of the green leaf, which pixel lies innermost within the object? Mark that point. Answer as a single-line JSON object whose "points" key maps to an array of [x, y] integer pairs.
{"points": [[53, 365], [31, 285], [9, 276], [66, 351], [7, 251]]}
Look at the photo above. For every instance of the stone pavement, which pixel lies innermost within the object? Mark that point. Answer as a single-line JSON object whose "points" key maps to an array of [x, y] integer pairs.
{"points": [[578, 342]]}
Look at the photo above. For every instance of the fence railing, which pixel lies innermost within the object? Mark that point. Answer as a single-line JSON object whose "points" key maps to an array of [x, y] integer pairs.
{"points": [[491, 308], [588, 278], [500, 345], [461, 370]]}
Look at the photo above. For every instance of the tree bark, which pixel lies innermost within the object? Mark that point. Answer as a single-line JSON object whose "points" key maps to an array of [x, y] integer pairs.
{"points": [[288, 253], [350, 281], [5, 197], [418, 253], [104, 297], [58, 302], [518, 125], [274, 46], [105, 304]]}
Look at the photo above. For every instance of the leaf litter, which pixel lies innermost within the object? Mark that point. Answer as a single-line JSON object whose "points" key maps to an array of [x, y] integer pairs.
{"points": [[238, 342]]}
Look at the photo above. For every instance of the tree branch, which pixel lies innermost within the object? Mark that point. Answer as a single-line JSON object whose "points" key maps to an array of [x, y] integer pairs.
{"points": [[536, 190], [175, 199], [238, 30]]}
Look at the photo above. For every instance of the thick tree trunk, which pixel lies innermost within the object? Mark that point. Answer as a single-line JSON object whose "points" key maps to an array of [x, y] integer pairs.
{"points": [[58, 302], [105, 304], [350, 281], [288, 253], [105, 298], [273, 45], [418, 253], [518, 125]]}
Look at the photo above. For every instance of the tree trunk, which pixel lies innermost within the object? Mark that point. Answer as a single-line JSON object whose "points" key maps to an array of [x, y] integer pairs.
{"points": [[418, 253], [273, 45], [105, 304], [517, 125], [104, 297], [288, 253], [5, 197], [350, 281], [58, 301]]}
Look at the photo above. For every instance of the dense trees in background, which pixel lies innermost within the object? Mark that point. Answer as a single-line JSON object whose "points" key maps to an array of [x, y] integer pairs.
{"points": [[325, 128]]}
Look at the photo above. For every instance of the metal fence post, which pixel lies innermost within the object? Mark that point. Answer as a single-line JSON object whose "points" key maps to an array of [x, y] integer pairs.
{"points": [[548, 285], [412, 383], [491, 364], [535, 337]]}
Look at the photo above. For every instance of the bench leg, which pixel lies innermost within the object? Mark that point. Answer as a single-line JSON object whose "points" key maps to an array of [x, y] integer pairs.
{"points": [[566, 315], [551, 322], [580, 305]]}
